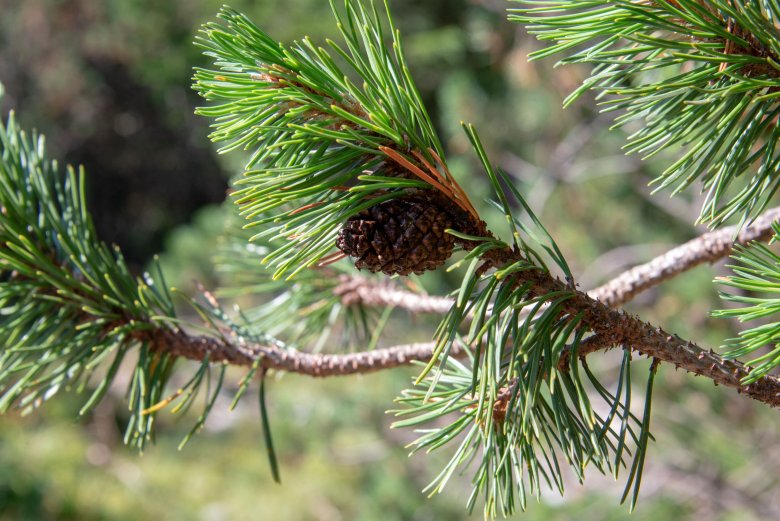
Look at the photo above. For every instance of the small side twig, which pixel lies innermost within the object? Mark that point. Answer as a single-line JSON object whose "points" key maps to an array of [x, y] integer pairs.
{"points": [[354, 289], [709, 247]]}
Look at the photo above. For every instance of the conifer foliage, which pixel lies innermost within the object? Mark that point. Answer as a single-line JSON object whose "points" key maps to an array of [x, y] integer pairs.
{"points": [[345, 162], [700, 76]]}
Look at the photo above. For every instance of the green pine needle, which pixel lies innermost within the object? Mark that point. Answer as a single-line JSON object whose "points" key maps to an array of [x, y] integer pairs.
{"points": [[306, 311], [70, 309], [756, 280], [68, 303], [701, 77], [312, 126], [511, 408]]}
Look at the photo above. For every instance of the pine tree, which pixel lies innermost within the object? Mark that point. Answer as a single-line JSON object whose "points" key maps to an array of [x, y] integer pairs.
{"points": [[347, 173]]}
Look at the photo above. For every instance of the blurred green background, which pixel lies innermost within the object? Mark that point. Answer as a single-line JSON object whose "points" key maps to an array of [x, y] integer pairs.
{"points": [[108, 83]]}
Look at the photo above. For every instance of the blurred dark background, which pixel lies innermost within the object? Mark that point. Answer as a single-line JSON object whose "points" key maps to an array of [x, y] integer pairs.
{"points": [[108, 82], [111, 78]]}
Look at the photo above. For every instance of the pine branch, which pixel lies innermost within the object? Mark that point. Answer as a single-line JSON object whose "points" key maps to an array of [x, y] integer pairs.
{"points": [[329, 147], [610, 328], [707, 248], [248, 354], [618, 329], [701, 77]]}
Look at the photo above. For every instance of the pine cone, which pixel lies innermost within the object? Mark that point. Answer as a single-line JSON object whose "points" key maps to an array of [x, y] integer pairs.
{"points": [[398, 236]]}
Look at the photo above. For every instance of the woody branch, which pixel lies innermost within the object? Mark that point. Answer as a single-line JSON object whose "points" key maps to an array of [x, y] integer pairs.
{"points": [[611, 327], [707, 248]]}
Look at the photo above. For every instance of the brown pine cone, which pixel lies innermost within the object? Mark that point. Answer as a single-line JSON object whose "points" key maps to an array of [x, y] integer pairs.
{"points": [[399, 236]]}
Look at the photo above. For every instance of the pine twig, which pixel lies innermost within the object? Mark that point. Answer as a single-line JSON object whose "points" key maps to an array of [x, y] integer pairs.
{"points": [[708, 247], [355, 289]]}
